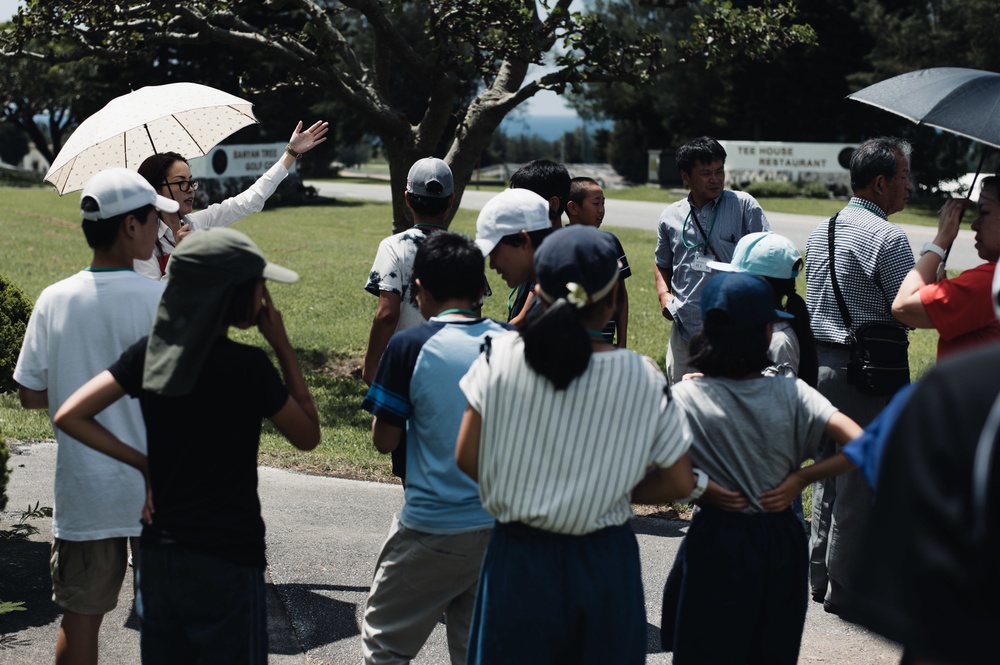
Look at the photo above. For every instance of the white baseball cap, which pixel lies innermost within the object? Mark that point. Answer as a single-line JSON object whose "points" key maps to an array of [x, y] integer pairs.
{"points": [[118, 191], [510, 212]]}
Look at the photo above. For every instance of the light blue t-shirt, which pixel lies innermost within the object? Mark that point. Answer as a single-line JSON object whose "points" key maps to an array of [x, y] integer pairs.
{"points": [[417, 385]]}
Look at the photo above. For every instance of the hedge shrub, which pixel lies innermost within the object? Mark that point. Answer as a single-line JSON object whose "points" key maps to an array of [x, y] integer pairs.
{"points": [[783, 189], [15, 308], [815, 190], [5, 474], [769, 189]]}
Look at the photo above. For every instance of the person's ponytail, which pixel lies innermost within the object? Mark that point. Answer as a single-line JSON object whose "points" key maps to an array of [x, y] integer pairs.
{"points": [[556, 345], [808, 362], [794, 304]]}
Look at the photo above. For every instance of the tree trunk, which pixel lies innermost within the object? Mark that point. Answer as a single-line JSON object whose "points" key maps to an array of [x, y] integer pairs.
{"points": [[400, 154]]}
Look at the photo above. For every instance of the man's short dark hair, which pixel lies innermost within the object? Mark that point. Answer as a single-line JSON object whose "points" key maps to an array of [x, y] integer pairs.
{"points": [[992, 182], [877, 157], [545, 178], [536, 238], [428, 206], [102, 233], [705, 150], [579, 186], [450, 266]]}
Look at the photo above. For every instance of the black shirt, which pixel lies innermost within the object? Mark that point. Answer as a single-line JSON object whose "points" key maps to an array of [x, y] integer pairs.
{"points": [[202, 450]]}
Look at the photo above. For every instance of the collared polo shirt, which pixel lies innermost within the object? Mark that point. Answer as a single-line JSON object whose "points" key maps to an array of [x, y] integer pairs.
{"points": [[872, 257], [725, 220]]}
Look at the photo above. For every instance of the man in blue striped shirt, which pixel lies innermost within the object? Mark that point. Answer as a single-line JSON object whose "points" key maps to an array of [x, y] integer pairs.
{"points": [[429, 564], [872, 257]]}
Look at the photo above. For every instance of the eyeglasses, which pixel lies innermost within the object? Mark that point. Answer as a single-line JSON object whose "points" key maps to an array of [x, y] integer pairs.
{"points": [[184, 185]]}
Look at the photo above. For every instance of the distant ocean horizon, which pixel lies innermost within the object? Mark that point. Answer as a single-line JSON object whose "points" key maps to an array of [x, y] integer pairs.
{"points": [[549, 127]]}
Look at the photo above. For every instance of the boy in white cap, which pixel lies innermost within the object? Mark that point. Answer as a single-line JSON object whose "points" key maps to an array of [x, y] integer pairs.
{"points": [[79, 326], [510, 227], [430, 193], [201, 592]]}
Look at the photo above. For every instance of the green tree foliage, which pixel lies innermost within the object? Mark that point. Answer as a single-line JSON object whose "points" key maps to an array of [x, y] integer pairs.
{"points": [[907, 35], [427, 78], [31, 89], [800, 93], [626, 151], [13, 143]]}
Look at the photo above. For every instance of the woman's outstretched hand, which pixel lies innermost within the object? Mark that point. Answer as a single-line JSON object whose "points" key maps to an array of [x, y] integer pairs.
{"points": [[304, 141]]}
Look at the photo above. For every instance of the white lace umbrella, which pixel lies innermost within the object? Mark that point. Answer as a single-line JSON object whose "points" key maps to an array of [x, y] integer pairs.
{"points": [[186, 118]]}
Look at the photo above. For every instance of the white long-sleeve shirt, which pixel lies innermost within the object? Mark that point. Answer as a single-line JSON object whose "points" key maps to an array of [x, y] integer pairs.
{"points": [[218, 214]]}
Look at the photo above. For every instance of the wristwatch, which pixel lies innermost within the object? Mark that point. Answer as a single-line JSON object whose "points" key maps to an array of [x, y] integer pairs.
{"points": [[699, 486], [296, 155], [931, 247]]}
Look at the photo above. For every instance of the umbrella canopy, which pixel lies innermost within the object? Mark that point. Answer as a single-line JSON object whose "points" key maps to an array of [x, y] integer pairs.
{"points": [[962, 101], [186, 118]]}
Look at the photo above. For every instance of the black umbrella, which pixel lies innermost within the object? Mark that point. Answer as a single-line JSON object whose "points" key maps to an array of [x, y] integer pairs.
{"points": [[961, 101]]}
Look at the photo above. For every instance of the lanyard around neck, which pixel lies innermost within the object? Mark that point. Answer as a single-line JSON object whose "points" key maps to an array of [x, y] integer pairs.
{"points": [[467, 312], [510, 305], [691, 215]]}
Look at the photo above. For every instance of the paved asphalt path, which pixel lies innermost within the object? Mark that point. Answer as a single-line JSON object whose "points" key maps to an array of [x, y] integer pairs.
{"points": [[323, 535], [644, 215]]}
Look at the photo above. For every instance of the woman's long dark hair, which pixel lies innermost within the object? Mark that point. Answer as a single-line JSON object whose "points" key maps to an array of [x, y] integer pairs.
{"points": [[556, 344], [154, 168], [784, 290], [735, 358]]}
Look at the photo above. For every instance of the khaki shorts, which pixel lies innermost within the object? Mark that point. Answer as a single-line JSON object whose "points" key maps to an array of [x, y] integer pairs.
{"points": [[87, 575]]}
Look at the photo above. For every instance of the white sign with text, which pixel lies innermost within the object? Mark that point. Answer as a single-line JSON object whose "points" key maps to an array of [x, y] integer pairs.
{"points": [[237, 160]]}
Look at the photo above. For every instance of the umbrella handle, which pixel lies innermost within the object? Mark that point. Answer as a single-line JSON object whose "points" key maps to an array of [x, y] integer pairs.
{"points": [[968, 196], [159, 162]]}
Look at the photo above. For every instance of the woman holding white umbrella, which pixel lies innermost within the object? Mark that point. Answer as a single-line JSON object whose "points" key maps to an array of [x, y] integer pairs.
{"points": [[170, 175]]}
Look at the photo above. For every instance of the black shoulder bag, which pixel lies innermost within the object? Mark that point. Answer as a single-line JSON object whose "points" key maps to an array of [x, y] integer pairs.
{"points": [[879, 363]]}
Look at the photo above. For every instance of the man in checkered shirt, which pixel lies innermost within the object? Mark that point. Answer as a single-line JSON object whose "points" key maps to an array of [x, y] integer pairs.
{"points": [[872, 256]]}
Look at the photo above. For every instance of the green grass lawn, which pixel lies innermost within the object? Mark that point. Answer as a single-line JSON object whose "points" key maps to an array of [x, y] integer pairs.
{"points": [[327, 312]]}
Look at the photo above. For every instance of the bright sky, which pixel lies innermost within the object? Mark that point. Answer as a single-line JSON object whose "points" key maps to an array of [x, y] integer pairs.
{"points": [[8, 8], [544, 103]]}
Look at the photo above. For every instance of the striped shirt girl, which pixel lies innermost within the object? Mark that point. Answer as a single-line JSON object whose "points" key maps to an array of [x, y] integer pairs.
{"points": [[616, 418]]}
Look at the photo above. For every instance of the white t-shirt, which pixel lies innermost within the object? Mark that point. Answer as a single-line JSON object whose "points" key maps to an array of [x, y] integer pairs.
{"points": [[225, 213], [567, 461], [785, 351], [392, 272], [79, 326]]}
